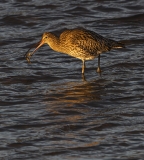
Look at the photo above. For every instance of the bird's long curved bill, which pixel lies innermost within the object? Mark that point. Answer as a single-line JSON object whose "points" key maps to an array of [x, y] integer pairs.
{"points": [[29, 54]]}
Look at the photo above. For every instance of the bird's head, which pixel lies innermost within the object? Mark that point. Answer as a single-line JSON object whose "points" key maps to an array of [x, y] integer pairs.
{"points": [[46, 37]]}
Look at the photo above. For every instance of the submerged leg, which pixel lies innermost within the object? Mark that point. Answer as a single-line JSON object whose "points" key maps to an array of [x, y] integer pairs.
{"points": [[98, 69], [83, 78], [83, 66]]}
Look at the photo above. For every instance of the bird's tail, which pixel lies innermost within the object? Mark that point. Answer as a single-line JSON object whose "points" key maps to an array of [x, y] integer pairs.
{"points": [[118, 45]]}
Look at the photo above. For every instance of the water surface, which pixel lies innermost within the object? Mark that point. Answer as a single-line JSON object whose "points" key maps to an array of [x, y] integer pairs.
{"points": [[46, 110]]}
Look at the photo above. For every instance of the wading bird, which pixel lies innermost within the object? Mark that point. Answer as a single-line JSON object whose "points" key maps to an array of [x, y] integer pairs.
{"points": [[79, 43]]}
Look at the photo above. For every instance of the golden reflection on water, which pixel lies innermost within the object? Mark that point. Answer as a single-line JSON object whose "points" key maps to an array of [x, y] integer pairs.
{"points": [[74, 93], [70, 99]]}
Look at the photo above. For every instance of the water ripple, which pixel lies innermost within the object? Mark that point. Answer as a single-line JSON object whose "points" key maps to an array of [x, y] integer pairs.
{"points": [[47, 110]]}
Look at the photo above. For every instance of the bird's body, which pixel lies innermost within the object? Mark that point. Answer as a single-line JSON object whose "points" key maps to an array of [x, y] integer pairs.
{"points": [[79, 43]]}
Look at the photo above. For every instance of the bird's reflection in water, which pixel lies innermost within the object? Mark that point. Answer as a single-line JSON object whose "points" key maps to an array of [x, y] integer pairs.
{"points": [[72, 96]]}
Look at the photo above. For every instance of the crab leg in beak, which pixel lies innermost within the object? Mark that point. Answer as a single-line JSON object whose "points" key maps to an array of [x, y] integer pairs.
{"points": [[28, 54]]}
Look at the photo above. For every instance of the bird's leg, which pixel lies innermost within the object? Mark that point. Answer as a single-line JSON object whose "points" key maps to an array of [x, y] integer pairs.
{"points": [[83, 67], [83, 78], [98, 69]]}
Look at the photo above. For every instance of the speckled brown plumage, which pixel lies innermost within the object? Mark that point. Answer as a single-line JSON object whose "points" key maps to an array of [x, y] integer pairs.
{"points": [[79, 43]]}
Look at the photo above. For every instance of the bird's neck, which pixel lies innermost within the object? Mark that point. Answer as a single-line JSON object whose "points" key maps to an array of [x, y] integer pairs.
{"points": [[54, 43]]}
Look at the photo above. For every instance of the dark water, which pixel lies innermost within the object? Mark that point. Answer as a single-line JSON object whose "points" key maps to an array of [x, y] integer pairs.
{"points": [[46, 110]]}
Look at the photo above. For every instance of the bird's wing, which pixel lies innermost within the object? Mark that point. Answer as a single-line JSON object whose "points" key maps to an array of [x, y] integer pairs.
{"points": [[91, 42]]}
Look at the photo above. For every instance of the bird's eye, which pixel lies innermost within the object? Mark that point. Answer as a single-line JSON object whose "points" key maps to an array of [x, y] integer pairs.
{"points": [[46, 37]]}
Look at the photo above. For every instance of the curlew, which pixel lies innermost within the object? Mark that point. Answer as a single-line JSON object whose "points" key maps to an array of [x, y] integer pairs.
{"points": [[79, 43]]}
